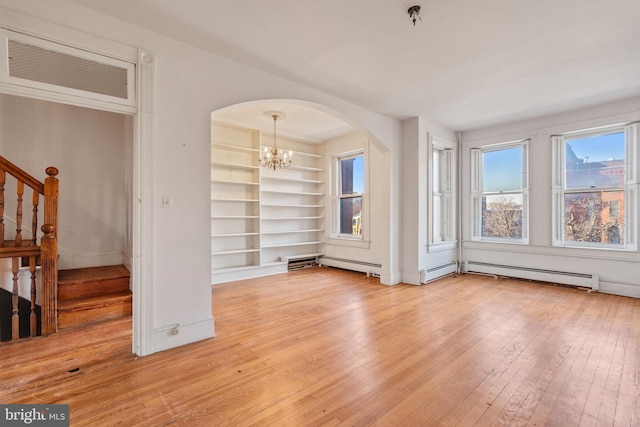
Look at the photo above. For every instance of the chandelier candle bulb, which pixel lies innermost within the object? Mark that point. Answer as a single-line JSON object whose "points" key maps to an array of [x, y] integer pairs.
{"points": [[275, 158]]}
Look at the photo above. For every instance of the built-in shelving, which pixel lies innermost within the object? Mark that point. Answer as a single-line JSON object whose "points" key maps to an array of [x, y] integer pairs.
{"points": [[235, 198], [259, 216]]}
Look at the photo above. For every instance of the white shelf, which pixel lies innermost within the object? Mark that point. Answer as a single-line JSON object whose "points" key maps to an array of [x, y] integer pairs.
{"points": [[235, 235], [235, 217], [291, 206], [224, 181], [305, 168], [304, 181], [291, 218], [293, 193], [313, 230], [232, 147], [234, 251], [215, 199], [234, 166], [285, 245]]}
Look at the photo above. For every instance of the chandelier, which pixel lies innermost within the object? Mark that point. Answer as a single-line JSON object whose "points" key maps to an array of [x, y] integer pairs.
{"points": [[274, 157]]}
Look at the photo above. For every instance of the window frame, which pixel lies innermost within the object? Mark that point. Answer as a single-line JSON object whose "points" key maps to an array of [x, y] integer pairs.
{"points": [[629, 187], [339, 196], [477, 192], [442, 212]]}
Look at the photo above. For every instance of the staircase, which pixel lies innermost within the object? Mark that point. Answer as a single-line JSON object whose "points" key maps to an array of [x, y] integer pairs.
{"points": [[94, 294]]}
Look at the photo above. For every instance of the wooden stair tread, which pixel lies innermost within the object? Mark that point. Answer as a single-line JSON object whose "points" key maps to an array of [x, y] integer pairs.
{"points": [[92, 281], [92, 274], [94, 301], [85, 311], [93, 294]]}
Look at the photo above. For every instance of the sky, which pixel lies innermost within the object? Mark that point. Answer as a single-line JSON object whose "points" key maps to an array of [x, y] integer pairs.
{"points": [[600, 147], [502, 170], [358, 175]]}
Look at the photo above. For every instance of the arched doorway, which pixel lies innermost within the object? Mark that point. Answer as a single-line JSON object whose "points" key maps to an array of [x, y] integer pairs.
{"points": [[264, 219]]}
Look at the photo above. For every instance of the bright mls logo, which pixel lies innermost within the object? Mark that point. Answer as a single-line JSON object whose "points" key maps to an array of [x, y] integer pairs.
{"points": [[34, 415]]}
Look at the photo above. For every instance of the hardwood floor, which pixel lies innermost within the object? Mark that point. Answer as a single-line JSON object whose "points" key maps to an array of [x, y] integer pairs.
{"points": [[324, 347]]}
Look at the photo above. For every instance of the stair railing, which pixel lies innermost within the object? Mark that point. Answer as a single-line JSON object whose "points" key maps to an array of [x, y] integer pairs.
{"points": [[19, 249]]}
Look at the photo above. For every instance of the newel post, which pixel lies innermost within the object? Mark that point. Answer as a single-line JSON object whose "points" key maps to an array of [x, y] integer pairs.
{"points": [[49, 254]]}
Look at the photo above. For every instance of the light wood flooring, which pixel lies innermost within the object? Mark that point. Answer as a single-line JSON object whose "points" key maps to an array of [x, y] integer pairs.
{"points": [[324, 347]]}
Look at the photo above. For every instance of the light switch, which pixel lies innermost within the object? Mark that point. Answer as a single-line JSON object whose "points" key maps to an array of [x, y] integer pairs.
{"points": [[167, 201]]}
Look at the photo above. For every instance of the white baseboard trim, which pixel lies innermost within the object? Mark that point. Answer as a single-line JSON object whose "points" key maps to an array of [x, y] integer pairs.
{"points": [[623, 289], [412, 278], [250, 272], [165, 338]]}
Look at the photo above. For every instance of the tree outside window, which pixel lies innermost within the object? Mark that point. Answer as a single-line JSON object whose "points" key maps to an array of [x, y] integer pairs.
{"points": [[594, 195], [500, 196], [595, 188]]}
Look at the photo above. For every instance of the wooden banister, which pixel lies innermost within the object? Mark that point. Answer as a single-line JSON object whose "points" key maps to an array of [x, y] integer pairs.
{"points": [[22, 250], [21, 175], [49, 274]]}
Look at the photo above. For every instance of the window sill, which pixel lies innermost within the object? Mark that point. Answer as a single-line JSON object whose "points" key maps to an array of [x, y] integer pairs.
{"points": [[593, 253], [442, 246], [353, 243], [503, 242]]}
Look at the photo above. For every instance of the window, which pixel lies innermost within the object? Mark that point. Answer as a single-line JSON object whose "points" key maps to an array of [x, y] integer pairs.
{"points": [[595, 183], [442, 212], [350, 193], [500, 193]]}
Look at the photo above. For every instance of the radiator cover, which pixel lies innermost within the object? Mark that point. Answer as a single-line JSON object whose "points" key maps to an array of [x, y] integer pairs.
{"points": [[553, 276]]}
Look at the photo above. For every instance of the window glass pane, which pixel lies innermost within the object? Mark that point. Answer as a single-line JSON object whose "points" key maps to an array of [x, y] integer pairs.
{"points": [[436, 171], [502, 170], [595, 161], [596, 217], [437, 218], [352, 175], [350, 216], [502, 216]]}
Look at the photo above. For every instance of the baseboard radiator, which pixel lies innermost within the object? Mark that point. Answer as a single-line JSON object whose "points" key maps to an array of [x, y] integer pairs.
{"points": [[584, 280], [371, 269], [297, 262], [430, 274]]}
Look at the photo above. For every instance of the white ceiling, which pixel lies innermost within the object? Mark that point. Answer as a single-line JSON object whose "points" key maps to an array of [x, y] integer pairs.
{"points": [[466, 64]]}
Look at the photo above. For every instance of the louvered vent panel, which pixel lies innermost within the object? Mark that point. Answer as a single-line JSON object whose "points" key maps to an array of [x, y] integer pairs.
{"points": [[51, 67]]}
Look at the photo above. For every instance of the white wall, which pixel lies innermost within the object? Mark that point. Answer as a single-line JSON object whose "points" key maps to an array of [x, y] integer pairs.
{"points": [[618, 270], [415, 204], [87, 146], [189, 85]]}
